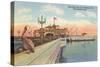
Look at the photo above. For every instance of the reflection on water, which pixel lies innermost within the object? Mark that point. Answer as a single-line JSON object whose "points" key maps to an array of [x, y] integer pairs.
{"points": [[79, 51]]}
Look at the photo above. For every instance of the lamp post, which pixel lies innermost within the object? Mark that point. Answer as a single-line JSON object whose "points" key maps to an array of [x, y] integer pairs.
{"points": [[41, 21]]}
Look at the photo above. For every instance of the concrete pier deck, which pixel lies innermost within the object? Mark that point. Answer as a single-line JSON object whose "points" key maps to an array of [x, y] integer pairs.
{"points": [[45, 54]]}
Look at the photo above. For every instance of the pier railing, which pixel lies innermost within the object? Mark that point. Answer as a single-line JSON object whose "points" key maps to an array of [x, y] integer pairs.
{"points": [[45, 54]]}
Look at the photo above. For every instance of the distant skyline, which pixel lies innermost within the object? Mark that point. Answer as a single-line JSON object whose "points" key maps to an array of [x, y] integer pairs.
{"points": [[82, 17]]}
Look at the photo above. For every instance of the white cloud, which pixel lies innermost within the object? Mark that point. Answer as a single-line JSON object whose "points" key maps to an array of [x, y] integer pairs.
{"points": [[52, 9], [23, 10], [79, 14], [91, 14], [24, 18], [23, 14], [85, 14]]}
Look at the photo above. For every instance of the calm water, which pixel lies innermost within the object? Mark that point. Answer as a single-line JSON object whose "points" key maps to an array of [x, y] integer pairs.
{"points": [[17, 44], [79, 52]]}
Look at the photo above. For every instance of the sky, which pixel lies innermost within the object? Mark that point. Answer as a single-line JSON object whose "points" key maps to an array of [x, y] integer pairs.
{"points": [[82, 18]]}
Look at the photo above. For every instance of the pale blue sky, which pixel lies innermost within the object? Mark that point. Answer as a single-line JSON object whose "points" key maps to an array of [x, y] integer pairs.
{"points": [[28, 12]]}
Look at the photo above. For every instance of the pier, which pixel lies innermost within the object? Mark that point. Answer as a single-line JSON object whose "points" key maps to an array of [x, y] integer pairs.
{"points": [[47, 53], [80, 38]]}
